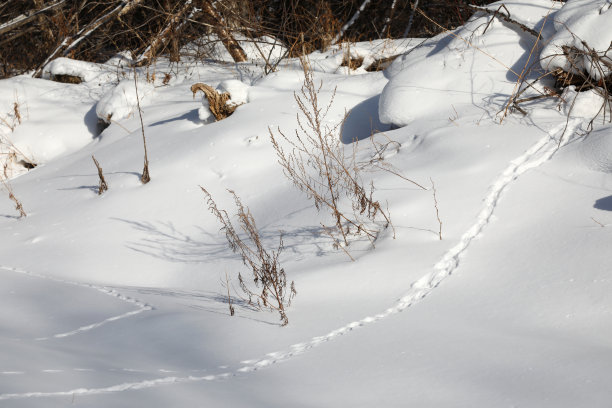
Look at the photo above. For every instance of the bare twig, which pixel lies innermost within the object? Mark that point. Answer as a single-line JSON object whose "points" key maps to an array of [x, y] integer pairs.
{"points": [[433, 187], [269, 277], [512, 101], [351, 21], [414, 6], [317, 166], [7, 186], [229, 297], [506, 18], [337, 244], [103, 186], [145, 178], [27, 17], [172, 28]]}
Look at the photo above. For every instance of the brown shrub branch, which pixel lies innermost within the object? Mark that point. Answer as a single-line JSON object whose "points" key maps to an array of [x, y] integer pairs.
{"points": [[268, 276]]}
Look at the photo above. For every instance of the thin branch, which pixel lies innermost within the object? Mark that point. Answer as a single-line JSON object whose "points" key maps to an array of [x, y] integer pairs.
{"points": [[145, 178], [433, 187], [350, 22], [27, 17]]}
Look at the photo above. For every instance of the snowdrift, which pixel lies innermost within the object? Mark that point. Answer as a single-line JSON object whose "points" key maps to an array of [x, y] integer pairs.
{"points": [[122, 299]]}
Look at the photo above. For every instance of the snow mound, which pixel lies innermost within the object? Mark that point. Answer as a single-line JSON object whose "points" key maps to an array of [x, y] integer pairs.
{"points": [[587, 104], [204, 113], [239, 91], [466, 67], [87, 71], [56, 119], [586, 26], [121, 101]]}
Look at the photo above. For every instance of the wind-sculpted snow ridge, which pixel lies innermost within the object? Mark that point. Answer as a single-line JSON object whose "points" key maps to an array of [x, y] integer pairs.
{"points": [[141, 307], [538, 154]]}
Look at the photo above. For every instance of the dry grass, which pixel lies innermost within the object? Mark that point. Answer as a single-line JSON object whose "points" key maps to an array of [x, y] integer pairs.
{"points": [[35, 32], [435, 199], [319, 167], [11, 194], [351, 62], [145, 177], [103, 186], [11, 156], [13, 118], [67, 79], [269, 289]]}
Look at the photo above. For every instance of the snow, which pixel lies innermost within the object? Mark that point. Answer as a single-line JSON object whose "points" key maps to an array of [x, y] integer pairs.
{"points": [[56, 120], [87, 71], [589, 103], [122, 100], [258, 50], [238, 90], [118, 299], [585, 25], [596, 151], [464, 68]]}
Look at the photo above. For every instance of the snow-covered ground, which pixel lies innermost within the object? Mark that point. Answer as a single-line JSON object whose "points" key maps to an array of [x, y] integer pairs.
{"points": [[119, 300]]}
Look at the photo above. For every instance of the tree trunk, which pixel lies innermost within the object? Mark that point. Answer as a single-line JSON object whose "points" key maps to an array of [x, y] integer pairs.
{"points": [[224, 35], [167, 34]]}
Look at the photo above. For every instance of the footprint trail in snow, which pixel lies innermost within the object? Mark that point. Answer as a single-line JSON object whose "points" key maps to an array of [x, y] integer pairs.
{"points": [[538, 154], [141, 307]]}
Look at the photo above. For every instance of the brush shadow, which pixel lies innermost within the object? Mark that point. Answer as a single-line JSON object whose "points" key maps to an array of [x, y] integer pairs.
{"points": [[93, 123], [191, 116], [92, 188], [204, 301], [163, 240], [604, 203], [362, 121]]}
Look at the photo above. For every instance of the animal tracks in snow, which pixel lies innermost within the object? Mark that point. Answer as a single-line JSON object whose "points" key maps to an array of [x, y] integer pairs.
{"points": [[538, 154], [141, 307]]}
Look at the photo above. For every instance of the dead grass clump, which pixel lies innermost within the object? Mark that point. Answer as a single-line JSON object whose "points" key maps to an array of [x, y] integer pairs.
{"points": [[146, 176], [11, 194], [319, 167], [102, 186], [217, 101], [269, 288], [381, 64], [13, 118], [352, 62], [10, 155], [67, 79]]}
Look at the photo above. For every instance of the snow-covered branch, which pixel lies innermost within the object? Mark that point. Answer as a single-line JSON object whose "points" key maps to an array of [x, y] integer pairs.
{"points": [[27, 17], [351, 21]]}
